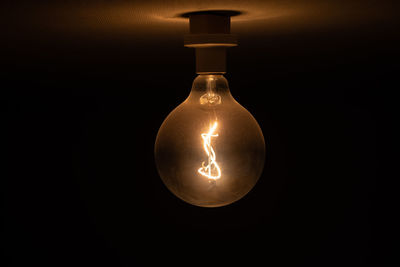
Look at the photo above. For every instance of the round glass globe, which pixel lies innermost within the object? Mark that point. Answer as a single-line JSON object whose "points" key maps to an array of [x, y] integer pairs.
{"points": [[210, 150]]}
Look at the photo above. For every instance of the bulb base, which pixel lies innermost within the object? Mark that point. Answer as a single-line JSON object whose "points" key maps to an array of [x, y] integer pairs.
{"points": [[211, 60]]}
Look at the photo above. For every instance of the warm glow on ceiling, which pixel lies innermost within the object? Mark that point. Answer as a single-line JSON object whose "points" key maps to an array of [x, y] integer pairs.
{"points": [[151, 18]]}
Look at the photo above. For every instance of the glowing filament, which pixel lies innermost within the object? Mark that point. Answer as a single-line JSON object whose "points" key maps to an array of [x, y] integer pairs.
{"points": [[211, 170]]}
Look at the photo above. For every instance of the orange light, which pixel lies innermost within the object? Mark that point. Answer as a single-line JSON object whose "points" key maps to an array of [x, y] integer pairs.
{"points": [[211, 170]]}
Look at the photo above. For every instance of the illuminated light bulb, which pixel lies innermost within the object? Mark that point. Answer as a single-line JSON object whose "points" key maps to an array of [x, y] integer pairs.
{"points": [[210, 150]]}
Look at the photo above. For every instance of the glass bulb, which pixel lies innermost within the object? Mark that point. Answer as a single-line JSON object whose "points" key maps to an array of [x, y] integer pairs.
{"points": [[210, 150]]}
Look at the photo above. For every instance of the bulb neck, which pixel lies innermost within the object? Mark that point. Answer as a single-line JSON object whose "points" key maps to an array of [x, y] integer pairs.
{"points": [[210, 83], [210, 90]]}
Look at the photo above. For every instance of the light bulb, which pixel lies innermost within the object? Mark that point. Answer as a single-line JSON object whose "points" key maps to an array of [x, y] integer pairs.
{"points": [[210, 150]]}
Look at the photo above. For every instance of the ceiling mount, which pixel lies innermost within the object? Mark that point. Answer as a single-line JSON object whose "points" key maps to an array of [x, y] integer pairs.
{"points": [[227, 13], [210, 34]]}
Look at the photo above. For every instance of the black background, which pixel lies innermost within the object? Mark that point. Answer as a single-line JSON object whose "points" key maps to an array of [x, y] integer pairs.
{"points": [[81, 117]]}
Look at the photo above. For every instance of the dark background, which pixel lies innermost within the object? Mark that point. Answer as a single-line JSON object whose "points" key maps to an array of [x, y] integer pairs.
{"points": [[81, 117]]}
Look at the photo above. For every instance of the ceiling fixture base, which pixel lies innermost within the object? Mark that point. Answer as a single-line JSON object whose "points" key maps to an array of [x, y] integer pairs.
{"points": [[210, 36]]}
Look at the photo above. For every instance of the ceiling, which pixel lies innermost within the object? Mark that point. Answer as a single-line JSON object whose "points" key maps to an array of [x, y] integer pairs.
{"points": [[151, 19]]}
